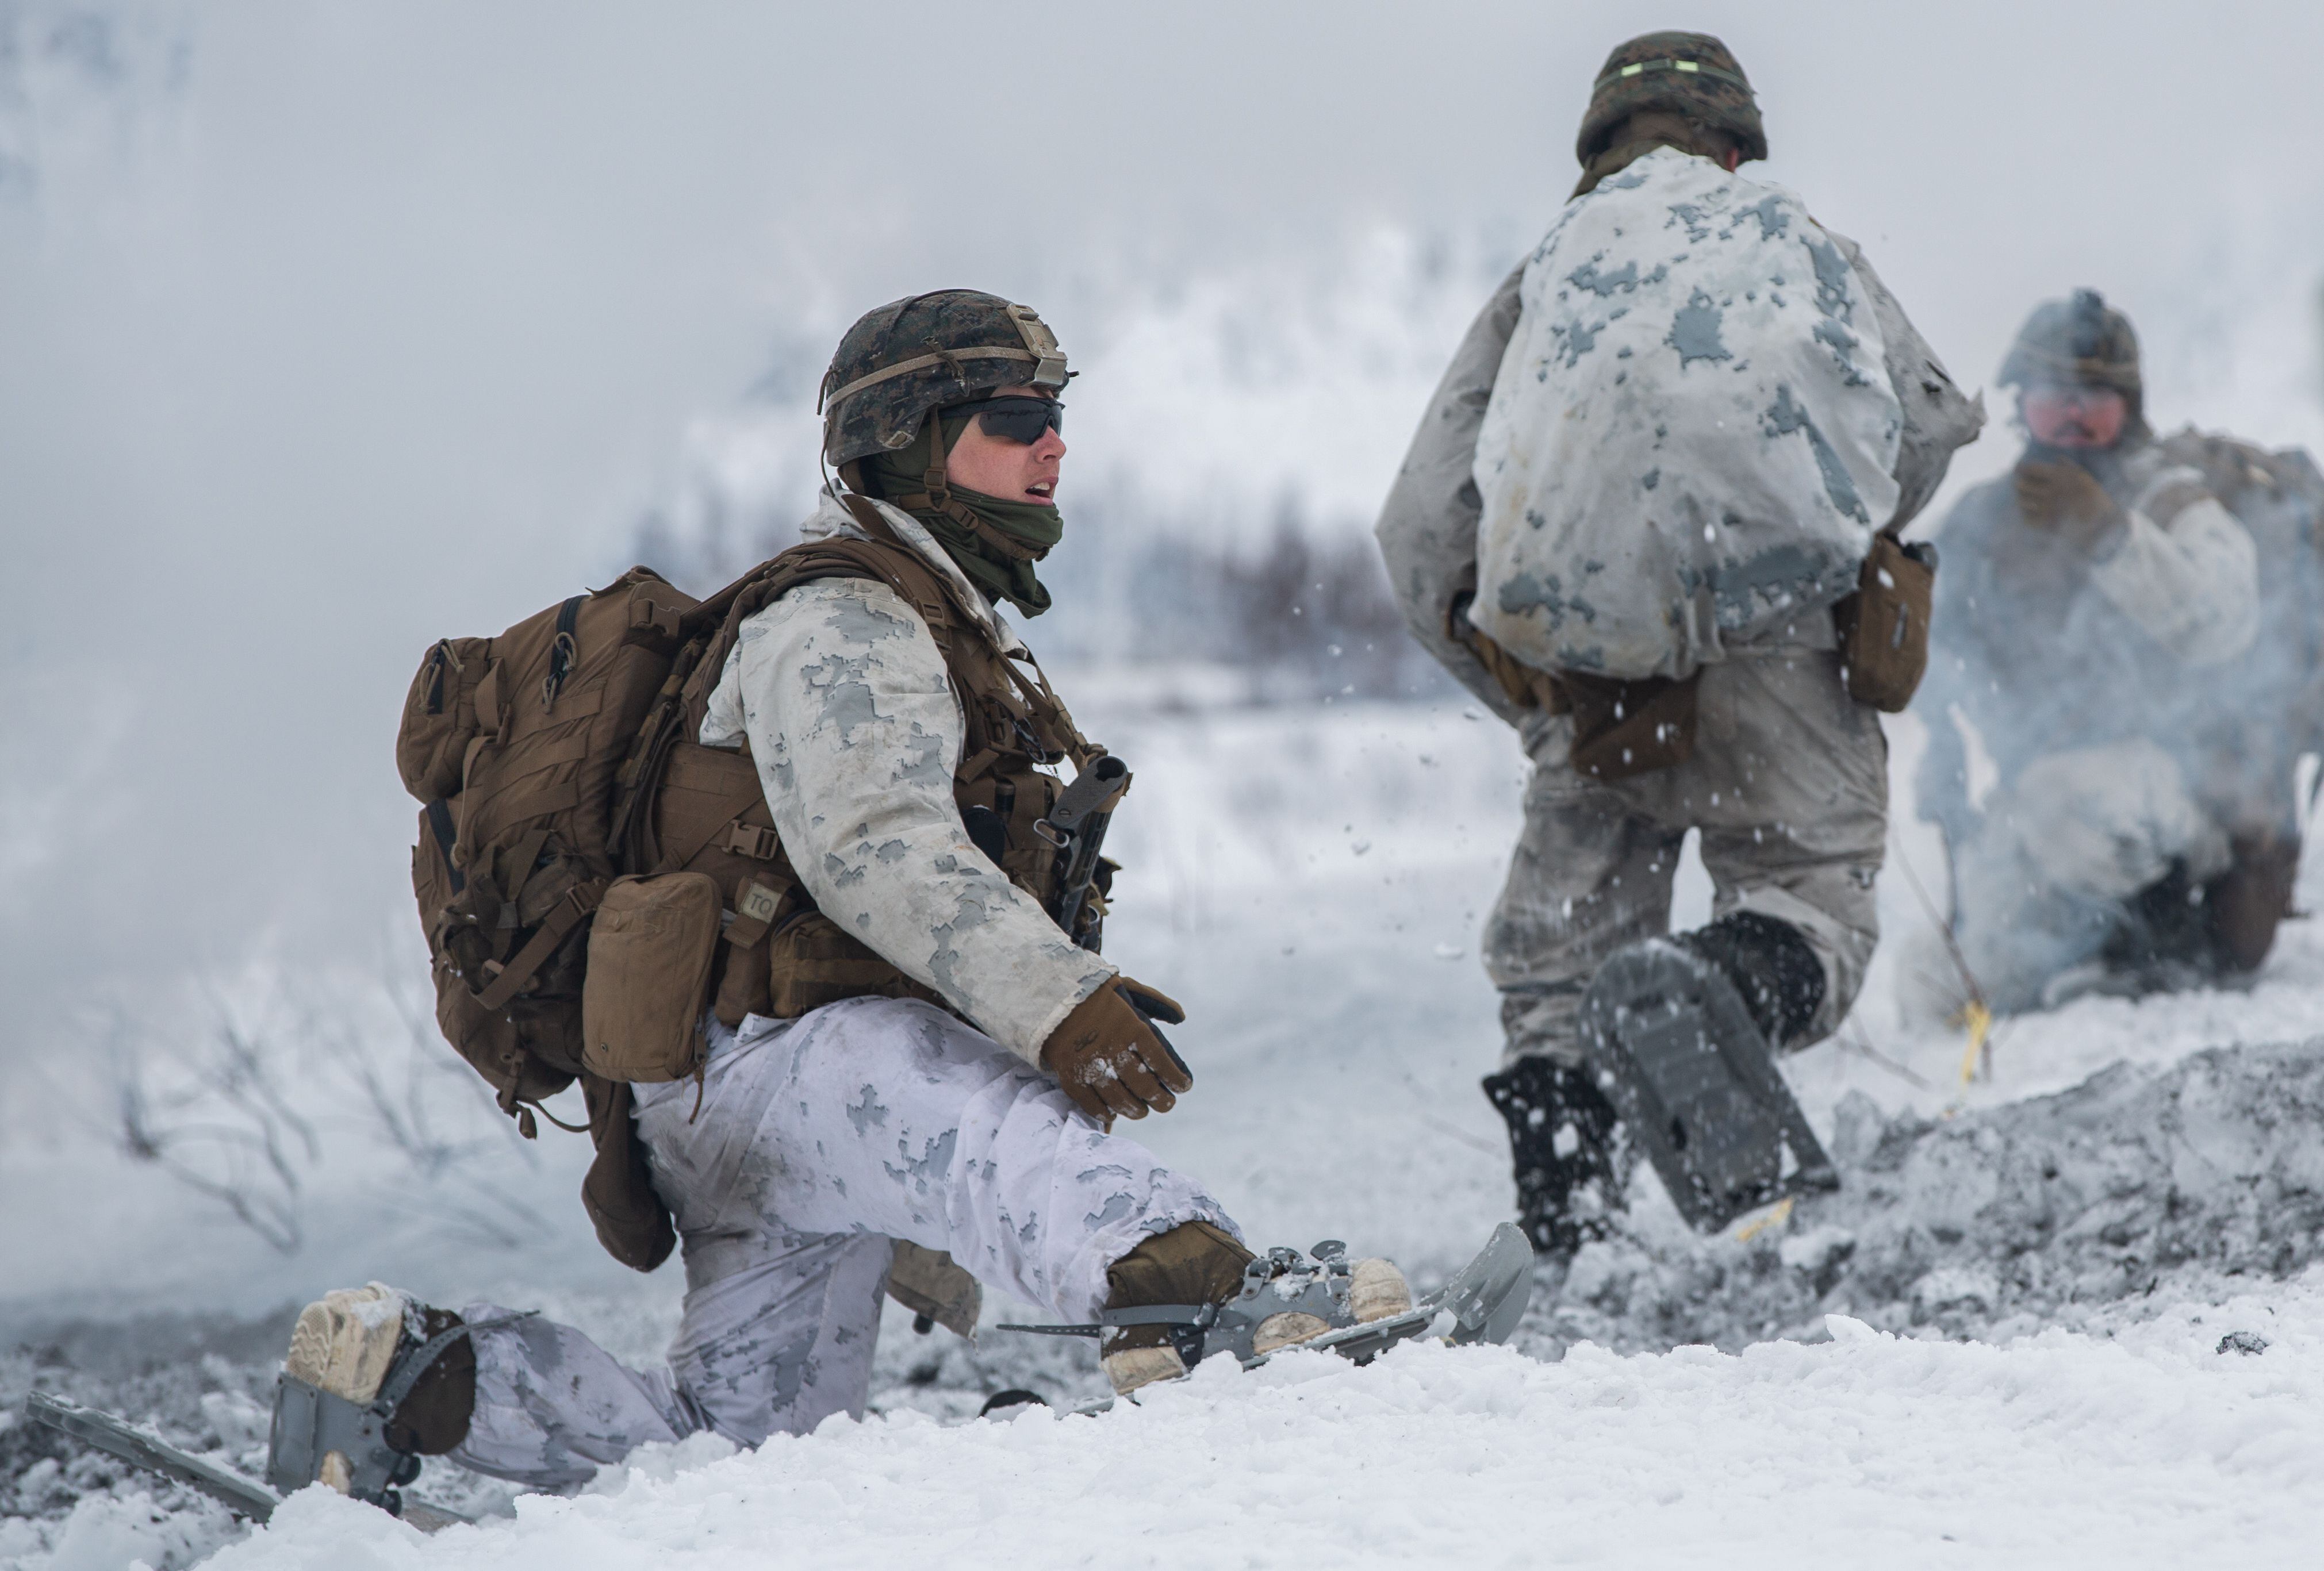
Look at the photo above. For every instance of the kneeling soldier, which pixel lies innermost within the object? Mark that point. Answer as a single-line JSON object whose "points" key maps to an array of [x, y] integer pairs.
{"points": [[925, 1068], [2129, 632]]}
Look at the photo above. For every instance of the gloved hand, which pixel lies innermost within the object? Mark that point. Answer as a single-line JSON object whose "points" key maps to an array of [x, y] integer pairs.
{"points": [[1110, 1060], [2066, 499]]}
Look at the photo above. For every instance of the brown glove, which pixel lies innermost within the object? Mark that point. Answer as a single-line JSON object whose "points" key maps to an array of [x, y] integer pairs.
{"points": [[2067, 499], [1110, 1060]]}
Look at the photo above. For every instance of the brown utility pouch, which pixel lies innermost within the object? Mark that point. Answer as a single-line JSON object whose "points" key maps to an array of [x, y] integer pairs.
{"points": [[811, 962], [930, 1284], [439, 717], [1883, 626], [1622, 728], [742, 985], [650, 954]]}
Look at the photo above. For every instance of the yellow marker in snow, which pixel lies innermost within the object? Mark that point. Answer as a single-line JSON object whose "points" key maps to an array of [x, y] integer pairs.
{"points": [[1777, 1215], [1980, 1021]]}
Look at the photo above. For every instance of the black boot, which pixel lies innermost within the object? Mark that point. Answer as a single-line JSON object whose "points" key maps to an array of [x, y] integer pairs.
{"points": [[1564, 1196], [1770, 964]]}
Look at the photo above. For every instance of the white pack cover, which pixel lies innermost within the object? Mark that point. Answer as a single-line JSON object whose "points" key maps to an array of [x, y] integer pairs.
{"points": [[1694, 435]]}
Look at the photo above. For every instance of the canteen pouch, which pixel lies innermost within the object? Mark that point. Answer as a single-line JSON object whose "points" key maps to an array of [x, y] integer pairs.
{"points": [[1883, 626]]}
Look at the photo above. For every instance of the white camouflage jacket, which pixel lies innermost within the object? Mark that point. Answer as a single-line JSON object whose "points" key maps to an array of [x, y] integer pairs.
{"points": [[1428, 525], [856, 732]]}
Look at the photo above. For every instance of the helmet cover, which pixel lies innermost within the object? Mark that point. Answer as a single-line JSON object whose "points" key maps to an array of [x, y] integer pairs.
{"points": [[923, 352], [2080, 341], [1688, 74]]}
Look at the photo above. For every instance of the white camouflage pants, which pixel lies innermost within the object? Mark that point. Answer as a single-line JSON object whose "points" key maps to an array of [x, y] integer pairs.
{"points": [[2041, 883], [1788, 785], [819, 1142]]}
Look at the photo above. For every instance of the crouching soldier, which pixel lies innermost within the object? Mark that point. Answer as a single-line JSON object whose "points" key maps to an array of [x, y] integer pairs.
{"points": [[2125, 639], [910, 1063], [1635, 521]]}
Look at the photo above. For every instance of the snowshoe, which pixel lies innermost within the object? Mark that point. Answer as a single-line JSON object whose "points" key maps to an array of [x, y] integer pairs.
{"points": [[355, 1355], [1323, 1300], [244, 1496], [1691, 1075]]}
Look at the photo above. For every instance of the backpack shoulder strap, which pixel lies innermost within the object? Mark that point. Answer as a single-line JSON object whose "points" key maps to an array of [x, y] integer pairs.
{"points": [[883, 558], [1005, 705]]}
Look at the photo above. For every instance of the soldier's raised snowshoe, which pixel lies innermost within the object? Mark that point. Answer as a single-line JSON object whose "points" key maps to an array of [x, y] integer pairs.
{"points": [[1691, 1075]]}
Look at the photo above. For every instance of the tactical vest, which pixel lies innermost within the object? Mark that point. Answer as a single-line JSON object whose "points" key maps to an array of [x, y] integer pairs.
{"points": [[704, 812]]}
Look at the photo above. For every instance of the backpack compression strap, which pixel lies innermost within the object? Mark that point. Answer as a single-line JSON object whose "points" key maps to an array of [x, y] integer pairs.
{"points": [[563, 917]]}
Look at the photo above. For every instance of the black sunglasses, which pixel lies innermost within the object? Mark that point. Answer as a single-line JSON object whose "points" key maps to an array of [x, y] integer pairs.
{"points": [[1016, 419]]}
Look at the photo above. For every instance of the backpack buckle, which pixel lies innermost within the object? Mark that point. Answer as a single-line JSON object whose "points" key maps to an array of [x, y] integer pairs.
{"points": [[758, 842]]}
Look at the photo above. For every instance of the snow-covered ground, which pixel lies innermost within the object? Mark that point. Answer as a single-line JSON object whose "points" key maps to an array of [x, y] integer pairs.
{"points": [[2033, 1272], [2147, 1448]]}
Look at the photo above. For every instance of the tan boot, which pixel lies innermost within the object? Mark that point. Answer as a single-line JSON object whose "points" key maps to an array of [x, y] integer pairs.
{"points": [[342, 1344], [1202, 1271], [345, 1341], [345, 1344], [1194, 1262]]}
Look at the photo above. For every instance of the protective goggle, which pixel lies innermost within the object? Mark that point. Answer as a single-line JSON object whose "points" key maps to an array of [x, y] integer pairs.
{"points": [[1015, 419], [2074, 417]]}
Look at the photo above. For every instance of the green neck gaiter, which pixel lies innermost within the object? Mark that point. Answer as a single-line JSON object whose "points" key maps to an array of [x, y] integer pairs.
{"points": [[994, 541]]}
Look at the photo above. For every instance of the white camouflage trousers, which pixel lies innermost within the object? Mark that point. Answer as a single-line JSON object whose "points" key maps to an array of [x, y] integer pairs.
{"points": [[819, 1142], [2041, 883], [1788, 784]]}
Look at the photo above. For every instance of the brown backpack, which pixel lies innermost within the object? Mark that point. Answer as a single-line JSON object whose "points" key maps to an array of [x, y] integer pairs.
{"points": [[514, 744]]}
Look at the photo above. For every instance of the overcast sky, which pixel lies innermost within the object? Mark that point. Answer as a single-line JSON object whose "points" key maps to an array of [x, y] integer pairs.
{"points": [[327, 328]]}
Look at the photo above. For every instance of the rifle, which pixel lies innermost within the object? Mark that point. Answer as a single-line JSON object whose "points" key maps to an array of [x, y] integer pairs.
{"points": [[1075, 826]]}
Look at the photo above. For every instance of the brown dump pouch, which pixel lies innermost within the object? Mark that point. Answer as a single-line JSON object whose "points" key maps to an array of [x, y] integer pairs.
{"points": [[650, 949], [1622, 728], [618, 1190], [1883, 626], [811, 962]]}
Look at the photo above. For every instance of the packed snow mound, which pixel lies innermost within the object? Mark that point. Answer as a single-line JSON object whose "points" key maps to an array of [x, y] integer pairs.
{"points": [[1992, 1221], [1863, 1449]]}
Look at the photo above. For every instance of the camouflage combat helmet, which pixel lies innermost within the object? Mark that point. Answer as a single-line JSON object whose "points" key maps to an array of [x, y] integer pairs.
{"points": [[1688, 74], [2080, 341], [913, 355]]}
